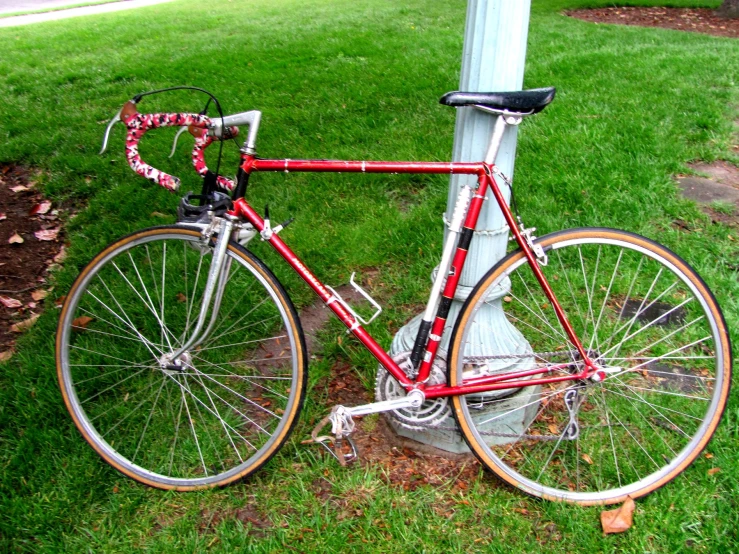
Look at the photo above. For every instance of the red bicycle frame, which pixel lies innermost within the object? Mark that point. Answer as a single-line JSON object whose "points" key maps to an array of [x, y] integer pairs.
{"points": [[485, 181]]}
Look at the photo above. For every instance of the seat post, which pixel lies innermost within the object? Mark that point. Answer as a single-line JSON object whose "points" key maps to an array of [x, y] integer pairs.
{"points": [[502, 121]]}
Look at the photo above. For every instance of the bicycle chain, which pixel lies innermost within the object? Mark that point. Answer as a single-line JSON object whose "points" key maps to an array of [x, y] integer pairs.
{"points": [[492, 433], [474, 359], [541, 355]]}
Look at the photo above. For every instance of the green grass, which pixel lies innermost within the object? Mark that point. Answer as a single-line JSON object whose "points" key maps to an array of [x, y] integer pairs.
{"points": [[355, 80]]}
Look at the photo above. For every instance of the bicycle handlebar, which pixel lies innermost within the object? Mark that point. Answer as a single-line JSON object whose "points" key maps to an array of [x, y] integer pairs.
{"points": [[204, 129], [202, 141], [138, 124]]}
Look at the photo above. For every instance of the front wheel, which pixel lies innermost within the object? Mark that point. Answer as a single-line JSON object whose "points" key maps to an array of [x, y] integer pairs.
{"points": [[644, 317], [225, 407]]}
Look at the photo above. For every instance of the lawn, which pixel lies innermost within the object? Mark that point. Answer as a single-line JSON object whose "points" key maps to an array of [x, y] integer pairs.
{"points": [[357, 80]]}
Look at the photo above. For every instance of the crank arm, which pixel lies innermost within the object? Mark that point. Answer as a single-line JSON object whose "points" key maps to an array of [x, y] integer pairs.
{"points": [[414, 399]]}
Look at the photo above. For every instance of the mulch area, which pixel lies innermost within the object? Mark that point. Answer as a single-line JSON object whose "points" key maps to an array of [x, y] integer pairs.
{"points": [[30, 244], [696, 20]]}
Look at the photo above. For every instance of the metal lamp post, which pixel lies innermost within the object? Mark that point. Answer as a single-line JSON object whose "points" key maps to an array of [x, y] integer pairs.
{"points": [[493, 59]]}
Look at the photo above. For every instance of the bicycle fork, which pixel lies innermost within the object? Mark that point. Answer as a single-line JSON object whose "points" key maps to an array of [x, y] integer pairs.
{"points": [[214, 288]]}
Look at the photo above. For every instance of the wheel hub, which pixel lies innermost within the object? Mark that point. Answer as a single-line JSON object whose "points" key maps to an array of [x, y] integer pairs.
{"points": [[171, 366]]}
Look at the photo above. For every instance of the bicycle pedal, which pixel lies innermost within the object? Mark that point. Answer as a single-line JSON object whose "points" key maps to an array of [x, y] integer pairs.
{"points": [[343, 450]]}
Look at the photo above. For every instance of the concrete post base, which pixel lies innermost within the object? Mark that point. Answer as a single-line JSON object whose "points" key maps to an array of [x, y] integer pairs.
{"points": [[491, 335]]}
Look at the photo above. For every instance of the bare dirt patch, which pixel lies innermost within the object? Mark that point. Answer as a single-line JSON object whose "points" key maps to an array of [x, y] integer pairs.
{"points": [[405, 463], [696, 20], [717, 193], [719, 171], [30, 243]]}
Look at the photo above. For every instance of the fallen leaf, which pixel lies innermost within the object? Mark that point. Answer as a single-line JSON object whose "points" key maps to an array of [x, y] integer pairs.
{"points": [[618, 520], [19, 188], [3, 216], [5, 356], [47, 234], [15, 239], [41, 208], [25, 324], [39, 294], [553, 428], [708, 455], [81, 323], [10, 302], [181, 297], [158, 214], [714, 470], [587, 458], [59, 258], [31, 305], [59, 302], [507, 299]]}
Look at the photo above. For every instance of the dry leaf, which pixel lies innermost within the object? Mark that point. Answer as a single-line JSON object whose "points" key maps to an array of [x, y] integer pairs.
{"points": [[714, 470], [47, 234], [708, 455], [618, 520], [5, 356], [158, 214], [587, 458], [40, 208], [507, 299], [553, 429], [25, 324], [31, 305], [10, 302], [81, 323], [15, 239], [59, 258], [19, 188], [39, 294], [181, 297], [3, 216]]}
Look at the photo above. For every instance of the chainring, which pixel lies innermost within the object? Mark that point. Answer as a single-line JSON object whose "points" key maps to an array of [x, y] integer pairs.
{"points": [[431, 413]]}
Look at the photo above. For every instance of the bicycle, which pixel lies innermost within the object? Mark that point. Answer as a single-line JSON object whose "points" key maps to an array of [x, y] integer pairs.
{"points": [[182, 360]]}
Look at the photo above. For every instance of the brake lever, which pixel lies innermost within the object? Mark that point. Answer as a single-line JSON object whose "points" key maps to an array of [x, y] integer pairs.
{"points": [[176, 137], [113, 121]]}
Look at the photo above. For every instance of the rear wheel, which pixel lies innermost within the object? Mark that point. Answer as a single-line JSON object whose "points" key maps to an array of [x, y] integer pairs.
{"points": [[231, 402], [645, 318]]}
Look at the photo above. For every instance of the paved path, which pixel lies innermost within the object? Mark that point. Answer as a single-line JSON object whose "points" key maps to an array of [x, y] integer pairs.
{"points": [[10, 6]]}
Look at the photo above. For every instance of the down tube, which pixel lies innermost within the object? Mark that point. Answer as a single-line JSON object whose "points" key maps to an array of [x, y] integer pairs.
{"points": [[242, 208]]}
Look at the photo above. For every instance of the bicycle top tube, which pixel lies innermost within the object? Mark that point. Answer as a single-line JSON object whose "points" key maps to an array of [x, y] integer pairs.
{"points": [[251, 163]]}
